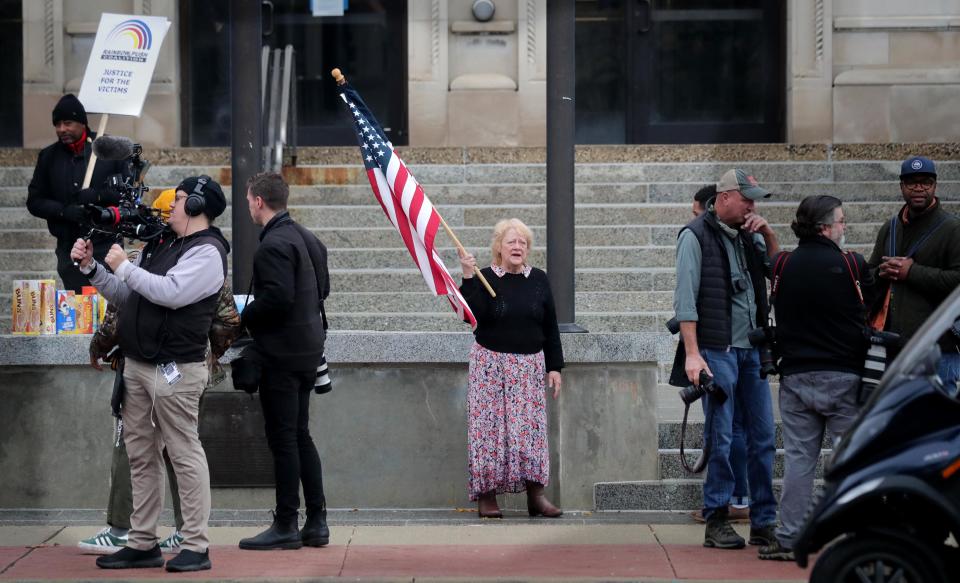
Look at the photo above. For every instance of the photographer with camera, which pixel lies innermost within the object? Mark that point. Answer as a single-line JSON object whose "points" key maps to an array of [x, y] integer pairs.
{"points": [[54, 191], [167, 299], [917, 260], [720, 297], [820, 295]]}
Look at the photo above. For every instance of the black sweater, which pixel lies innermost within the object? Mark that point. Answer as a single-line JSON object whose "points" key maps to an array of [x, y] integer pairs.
{"points": [[820, 319], [521, 319]]}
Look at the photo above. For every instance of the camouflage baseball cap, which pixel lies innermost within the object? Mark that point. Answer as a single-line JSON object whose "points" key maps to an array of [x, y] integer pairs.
{"points": [[737, 179]]}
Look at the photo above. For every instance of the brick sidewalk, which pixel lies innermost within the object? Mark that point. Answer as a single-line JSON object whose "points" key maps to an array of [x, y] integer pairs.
{"points": [[487, 551]]}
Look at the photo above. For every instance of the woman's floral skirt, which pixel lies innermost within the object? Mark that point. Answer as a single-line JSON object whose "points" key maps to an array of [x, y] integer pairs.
{"points": [[506, 421]]}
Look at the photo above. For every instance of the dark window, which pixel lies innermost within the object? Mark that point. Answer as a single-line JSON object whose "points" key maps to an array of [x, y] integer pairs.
{"points": [[11, 71], [680, 71], [368, 43]]}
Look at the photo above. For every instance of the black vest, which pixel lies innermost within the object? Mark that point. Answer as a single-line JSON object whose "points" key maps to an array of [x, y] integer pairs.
{"points": [[157, 334], [714, 300]]}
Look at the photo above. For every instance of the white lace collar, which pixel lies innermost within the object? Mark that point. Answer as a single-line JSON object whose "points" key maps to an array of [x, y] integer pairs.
{"points": [[501, 271]]}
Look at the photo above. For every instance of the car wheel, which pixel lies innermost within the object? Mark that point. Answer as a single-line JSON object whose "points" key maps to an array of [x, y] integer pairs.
{"points": [[878, 557]]}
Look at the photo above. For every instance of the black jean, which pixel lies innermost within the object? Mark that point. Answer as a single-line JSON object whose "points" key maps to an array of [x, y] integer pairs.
{"points": [[285, 399]]}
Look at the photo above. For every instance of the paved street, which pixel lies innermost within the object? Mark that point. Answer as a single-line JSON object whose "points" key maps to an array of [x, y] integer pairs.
{"points": [[575, 548]]}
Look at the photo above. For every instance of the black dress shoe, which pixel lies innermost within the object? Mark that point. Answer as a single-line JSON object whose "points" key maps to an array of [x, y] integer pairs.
{"points": [[189, 560], [315, 531], [282, 534], [130, 558]]}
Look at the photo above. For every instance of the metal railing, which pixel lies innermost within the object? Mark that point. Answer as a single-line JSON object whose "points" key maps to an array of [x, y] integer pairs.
{"points": [[278, 102]]}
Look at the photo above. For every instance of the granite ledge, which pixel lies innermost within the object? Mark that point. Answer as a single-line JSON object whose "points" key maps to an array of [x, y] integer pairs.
{"points": [[356, 347]]}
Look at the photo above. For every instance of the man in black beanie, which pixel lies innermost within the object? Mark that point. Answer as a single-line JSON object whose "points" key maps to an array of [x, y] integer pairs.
{"points": [[57, 181]]}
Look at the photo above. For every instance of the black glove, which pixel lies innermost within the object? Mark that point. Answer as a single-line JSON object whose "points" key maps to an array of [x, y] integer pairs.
{"points": [[74, 213]]}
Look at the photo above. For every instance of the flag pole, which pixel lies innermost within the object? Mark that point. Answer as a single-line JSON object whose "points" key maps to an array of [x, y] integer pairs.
{"points": [[341, 80]]}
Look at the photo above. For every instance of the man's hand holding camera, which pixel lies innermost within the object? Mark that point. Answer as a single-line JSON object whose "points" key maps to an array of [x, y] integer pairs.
{"points": [[115, 257], [82, 252]]}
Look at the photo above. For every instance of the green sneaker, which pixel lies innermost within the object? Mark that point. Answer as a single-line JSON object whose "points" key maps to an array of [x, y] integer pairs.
{"points": [[103, 543], [172, 543]]}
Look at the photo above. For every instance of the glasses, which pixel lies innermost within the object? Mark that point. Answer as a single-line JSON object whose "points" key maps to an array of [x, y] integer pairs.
{"points": [[925, 182]]}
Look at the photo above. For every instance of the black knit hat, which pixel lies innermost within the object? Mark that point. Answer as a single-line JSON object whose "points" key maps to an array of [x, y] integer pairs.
{"points": [[214, 200], [69, 108]]}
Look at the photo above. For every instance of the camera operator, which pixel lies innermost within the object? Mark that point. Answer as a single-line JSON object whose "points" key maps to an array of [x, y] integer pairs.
{"points": [[917, 260], [721, 296], [167, 300], [820, 297], [54, 191]]}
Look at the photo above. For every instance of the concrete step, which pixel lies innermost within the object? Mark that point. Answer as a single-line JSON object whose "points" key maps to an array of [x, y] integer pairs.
{"points": [[662, 495], [607, 257], [447, 322], [496, 173], [477, 239], [668, 435], [424, 302], [409, 279], [534, 193], [671, 469], [676, 214]]}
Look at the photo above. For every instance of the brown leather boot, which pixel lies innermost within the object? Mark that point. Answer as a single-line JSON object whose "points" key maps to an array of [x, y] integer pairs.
{"points": [[487, 505], [537, 503]]}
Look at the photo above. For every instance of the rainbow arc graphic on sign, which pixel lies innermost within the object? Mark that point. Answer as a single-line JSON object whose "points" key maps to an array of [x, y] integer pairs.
{"points": [[136, 30]]}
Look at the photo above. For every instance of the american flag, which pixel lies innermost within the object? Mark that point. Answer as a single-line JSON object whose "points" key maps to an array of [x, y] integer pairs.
{"points": [[403, 201]]}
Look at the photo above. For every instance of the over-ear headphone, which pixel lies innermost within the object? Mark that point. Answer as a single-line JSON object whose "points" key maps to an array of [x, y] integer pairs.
{"points": [[196, 203]]}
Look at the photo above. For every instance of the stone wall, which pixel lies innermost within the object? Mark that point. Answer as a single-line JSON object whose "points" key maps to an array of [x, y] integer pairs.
{"points": [[391, 434], [878, 71]]}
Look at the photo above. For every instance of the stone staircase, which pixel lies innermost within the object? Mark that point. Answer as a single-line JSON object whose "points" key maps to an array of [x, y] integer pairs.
{"points": [[631, 202]]}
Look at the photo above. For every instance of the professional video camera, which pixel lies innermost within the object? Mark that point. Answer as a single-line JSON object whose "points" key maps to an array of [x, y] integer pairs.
{"points": [[117, 207]]}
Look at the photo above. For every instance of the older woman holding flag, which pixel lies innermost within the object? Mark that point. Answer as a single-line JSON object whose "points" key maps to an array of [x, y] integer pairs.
{"points": [[517, 352]]}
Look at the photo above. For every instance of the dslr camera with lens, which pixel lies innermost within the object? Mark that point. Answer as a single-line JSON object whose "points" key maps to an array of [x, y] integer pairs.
{"points": [[875, 362], [692, 393], [765, 339]]}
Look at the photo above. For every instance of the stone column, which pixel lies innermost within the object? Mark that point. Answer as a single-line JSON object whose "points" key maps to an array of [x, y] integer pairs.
{"points": [[42, 68], [427, 25], [810, 66]]}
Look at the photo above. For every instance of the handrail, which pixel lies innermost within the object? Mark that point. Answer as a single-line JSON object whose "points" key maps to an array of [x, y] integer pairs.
{"points": [[280, 106]]}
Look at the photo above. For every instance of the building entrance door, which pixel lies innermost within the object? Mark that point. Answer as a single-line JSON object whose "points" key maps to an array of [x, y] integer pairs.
{"points": [[680, 71], [368, 42]]}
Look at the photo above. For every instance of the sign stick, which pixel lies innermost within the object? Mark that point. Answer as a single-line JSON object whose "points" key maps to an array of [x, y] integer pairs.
{"points": [[93, 155]]}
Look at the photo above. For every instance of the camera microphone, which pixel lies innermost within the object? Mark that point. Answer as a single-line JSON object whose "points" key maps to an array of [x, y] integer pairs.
{"points": [[113, 147]]}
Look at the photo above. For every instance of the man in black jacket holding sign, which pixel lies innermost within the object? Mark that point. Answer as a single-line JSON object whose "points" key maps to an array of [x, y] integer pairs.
{"points": [[820, 296], [290, 282], [54, 191]]}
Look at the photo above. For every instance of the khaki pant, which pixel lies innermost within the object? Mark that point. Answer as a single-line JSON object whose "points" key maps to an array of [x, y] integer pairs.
{"points": [[157, 414]]}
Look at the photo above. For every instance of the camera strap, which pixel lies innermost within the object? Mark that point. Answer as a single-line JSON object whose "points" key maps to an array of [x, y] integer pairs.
{"points": [[892, 243], [852, 268], [701, 463]]}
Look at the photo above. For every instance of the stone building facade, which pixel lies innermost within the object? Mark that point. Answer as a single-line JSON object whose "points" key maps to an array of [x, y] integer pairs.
{"points": [[855, 71]]}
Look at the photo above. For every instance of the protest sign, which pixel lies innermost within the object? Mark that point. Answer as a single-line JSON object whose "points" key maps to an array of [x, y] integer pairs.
{"points": [[121, 63]]}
